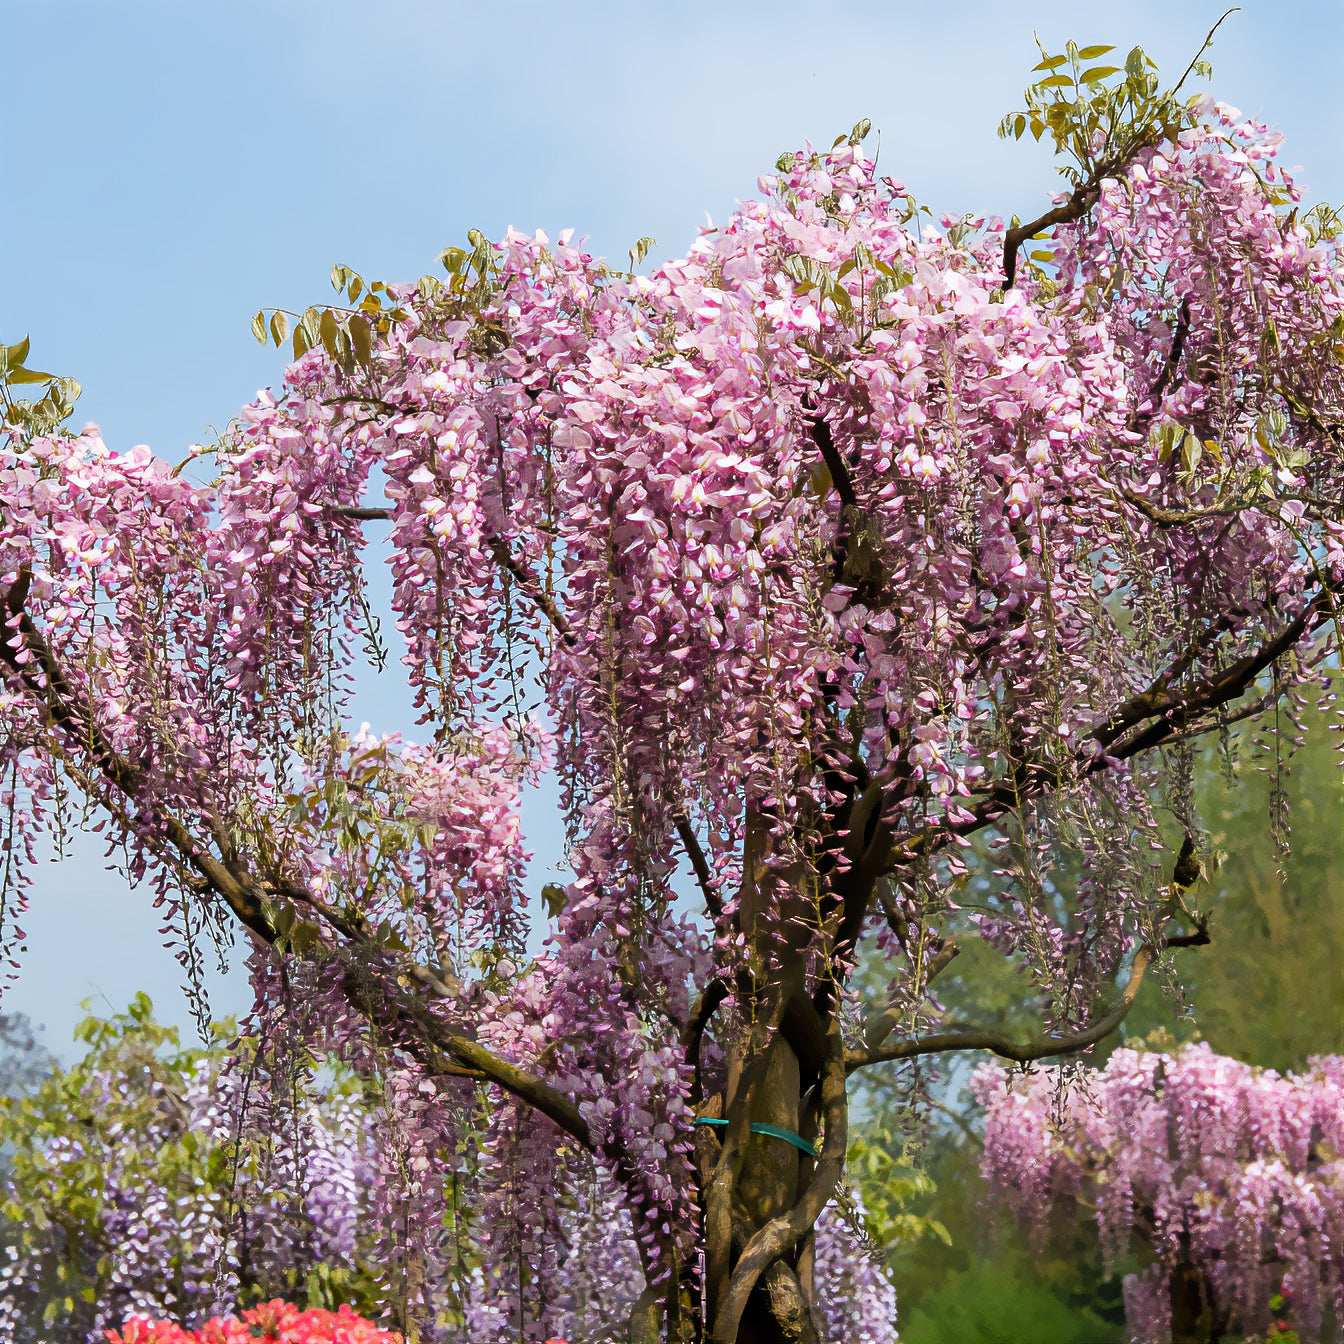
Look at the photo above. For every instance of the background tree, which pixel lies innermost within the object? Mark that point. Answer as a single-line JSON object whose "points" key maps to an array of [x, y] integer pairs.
{"points": [[24, 1060], [140, 1180], [1233, 1176], [832, 545]]}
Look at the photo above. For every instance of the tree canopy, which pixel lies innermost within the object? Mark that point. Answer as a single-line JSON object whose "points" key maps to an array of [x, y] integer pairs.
{"points": [[807, 562]]}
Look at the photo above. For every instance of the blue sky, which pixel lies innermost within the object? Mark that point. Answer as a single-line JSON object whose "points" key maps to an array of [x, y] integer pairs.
{"points": [[168, 168]]}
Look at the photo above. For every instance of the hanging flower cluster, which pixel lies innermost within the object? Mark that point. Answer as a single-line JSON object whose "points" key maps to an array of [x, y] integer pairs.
{"points": [[1234, 1176]]}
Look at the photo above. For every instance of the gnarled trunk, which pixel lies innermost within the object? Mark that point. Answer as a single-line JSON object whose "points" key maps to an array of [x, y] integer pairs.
{"points": [[760, 1192]]}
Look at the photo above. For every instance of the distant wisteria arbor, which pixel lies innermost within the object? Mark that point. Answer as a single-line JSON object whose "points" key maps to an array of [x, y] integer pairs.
{"points": [[802, 562], [1234, 1177]]}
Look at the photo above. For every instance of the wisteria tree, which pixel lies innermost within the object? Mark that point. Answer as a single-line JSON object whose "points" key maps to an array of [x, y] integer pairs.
{"points": [[1233, 1176], [809, 563]]}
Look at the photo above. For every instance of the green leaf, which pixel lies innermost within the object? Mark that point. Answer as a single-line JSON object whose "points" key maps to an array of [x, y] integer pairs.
{"points": [[14, 355], [259, 327], [554, 896], [1098, 73], [355, 288], [1134, 63], [339, 276], [860, 132], [279, 327], [1057, 82], [326, 330], [28, 376], [361, 337], [1019, 126], [301, 342], [1050, 63], [1091, 53], [303, 938]]}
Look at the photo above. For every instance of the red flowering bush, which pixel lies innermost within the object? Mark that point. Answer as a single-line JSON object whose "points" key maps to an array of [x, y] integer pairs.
{"points": [[272, 1320]]}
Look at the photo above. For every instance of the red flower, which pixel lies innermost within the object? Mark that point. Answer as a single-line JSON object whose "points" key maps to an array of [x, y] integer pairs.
{"points": [[280, 1321]]}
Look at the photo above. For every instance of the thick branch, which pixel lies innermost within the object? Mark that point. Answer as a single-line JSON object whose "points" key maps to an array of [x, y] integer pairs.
{"points": [[788, 1305], [718, 1183], [1001, 1044]]}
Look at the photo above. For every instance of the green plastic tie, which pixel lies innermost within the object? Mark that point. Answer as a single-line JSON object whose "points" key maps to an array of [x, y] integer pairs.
{"points": [[772, 1131]]}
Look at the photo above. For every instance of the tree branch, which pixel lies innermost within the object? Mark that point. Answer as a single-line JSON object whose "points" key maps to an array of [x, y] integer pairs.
{"points": [[1139, 419], [820, 433], [538, 596], [693, 1033], [1165, 518], [999, 1043], [60, 704], [1178, 714], [503, 557], [361, 514], [700, 865], [1080, 201]]}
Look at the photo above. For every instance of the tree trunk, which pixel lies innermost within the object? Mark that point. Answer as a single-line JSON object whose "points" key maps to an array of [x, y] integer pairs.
{"points": [[1195, 1318], [777, 1055]]}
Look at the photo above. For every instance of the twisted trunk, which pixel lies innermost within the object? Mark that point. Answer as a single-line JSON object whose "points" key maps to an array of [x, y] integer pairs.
{"points": [[760, 1193]]}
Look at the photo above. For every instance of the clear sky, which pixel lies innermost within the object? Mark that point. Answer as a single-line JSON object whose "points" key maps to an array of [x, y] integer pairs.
{"points": [[168, 168]]}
